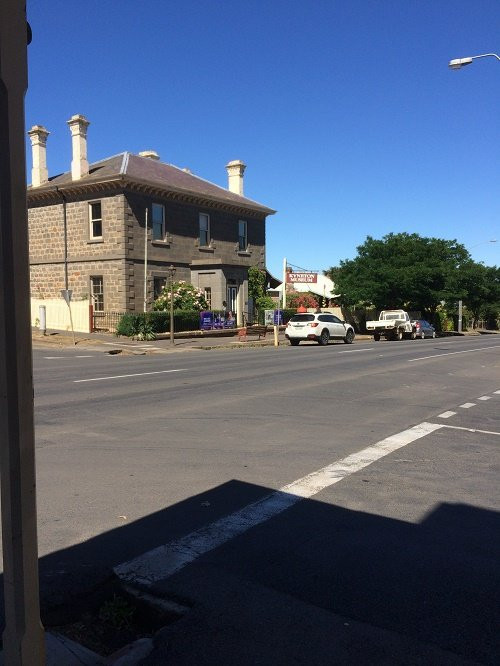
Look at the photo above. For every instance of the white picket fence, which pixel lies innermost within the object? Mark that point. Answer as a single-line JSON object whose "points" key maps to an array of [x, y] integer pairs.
{"points": [[58, 316]]}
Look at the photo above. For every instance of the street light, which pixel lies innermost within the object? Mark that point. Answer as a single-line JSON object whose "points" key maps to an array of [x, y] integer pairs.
{"points": [[171, 272], [458, 63]]}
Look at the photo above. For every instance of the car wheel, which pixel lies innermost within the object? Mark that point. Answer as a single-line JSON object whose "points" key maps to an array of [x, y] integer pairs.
{"points": [[294, 343], [399, 334], [349, 337], [376, 337], [422, 335], [413, 335], [324, 337]]}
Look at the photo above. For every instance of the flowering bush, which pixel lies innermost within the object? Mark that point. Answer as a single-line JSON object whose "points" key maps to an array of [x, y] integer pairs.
{"points": [[297, 299], [186, 297]]}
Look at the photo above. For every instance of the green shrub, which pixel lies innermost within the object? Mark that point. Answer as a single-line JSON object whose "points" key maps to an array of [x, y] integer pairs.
{"points": [[145, 325]]}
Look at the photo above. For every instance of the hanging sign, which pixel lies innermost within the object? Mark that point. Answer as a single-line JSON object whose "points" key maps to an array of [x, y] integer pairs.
{"points": [[308, 278]]}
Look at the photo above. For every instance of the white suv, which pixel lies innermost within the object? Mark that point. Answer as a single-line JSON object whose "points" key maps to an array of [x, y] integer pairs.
{"points": [[319, 327]]}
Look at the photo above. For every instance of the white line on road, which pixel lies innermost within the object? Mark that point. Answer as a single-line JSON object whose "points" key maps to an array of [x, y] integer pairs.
{"points": [[467, 351], [351, 351], [485, 397], [124, 344], [485, 432], [446, 415], [87, 356], [496, 392], [139, 374], [161, 562], [468, 405]]}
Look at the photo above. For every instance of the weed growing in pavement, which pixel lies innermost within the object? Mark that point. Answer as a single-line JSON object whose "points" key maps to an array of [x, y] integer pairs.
{"points": [[117, 612]]}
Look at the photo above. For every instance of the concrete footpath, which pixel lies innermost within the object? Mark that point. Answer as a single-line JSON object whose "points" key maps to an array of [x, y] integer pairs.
{"points": [[186, 341]]}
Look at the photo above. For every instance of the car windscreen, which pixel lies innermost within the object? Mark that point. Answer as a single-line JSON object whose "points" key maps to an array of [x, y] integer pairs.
{"points": [[302, 317]]}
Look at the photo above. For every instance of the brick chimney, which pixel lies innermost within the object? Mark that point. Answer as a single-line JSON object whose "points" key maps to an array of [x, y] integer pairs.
{"points": [[235, 171], [39, 174], [79, 164]]}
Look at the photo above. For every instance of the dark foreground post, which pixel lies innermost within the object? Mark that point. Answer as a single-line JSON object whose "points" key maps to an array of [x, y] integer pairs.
{"points": [[23, 638]]}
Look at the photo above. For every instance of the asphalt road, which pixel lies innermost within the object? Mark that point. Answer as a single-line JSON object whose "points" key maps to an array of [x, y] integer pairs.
{"points": [[137, 452]]}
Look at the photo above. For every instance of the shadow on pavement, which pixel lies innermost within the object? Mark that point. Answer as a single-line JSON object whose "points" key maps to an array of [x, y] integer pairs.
{"points": [[289, 589]]}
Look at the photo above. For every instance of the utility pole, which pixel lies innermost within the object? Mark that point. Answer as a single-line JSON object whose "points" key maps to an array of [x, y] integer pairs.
{"points": [[23, 638], [146, 260], [171, 271], [283, 296]]}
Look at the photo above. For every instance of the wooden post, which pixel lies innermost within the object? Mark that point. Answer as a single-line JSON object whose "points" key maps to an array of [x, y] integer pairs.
{"points": [[23, 638]]}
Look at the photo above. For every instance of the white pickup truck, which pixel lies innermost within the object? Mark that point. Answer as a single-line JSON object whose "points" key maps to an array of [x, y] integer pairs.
{"points": [[393, 325]]}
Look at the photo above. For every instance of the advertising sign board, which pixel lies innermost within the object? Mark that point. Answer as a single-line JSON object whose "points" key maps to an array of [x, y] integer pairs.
{"points": [[206, 321], [308, 278]]}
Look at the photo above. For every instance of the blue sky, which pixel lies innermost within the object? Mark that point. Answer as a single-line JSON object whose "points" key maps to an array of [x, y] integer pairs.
{"points": [[345, 112]]}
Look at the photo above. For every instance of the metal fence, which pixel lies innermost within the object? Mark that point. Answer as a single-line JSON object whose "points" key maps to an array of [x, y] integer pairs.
{"points": [[106, 321]]}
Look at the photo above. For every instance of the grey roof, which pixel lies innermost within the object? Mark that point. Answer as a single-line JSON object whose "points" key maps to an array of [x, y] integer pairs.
{"points": [[144, 170]]}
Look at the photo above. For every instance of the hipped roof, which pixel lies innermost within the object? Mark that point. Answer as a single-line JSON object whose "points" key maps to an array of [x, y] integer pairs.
{"points": [[148, 175]]}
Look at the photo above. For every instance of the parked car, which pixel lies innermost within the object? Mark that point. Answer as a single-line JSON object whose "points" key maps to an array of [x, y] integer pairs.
{"points": [[424, 329], [321, 327]]}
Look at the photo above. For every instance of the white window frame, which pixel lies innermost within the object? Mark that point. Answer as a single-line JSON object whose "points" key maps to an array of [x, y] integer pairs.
{"points": [[204, 217], [156, 279], [99, 295], [244, 237], [94, 220], [157, 206], [207, 293]]}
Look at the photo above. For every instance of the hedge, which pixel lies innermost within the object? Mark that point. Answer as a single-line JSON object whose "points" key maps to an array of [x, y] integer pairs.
{"points": [[159, 321]]}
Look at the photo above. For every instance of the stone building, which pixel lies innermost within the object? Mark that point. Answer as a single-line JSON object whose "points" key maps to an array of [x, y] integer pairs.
{"points": [[106, 230]]}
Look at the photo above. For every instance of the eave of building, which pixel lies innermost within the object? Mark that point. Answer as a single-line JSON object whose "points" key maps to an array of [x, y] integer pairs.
{"points": [[51, 194]]}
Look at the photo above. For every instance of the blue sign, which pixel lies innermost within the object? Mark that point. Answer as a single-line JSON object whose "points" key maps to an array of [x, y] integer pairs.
{"points": [[278, 317], [206, 321], [218, 321]]}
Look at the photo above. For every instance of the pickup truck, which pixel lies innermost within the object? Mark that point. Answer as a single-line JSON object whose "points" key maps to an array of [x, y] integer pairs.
{"points": [[393, 325]]}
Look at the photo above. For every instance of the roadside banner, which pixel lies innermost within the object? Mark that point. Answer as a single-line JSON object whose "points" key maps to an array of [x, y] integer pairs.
{"points": [[206, 321]]}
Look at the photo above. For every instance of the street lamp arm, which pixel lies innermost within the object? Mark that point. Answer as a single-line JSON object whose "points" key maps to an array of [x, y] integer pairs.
{"points": [[487, 55], [457, 63]]}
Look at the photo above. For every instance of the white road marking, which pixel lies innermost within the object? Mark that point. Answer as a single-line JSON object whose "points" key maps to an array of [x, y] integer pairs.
{"points": [[485, 432], [50, 358], [161, 562], [124, 344], [350, 351], [485, 397], [468, 405], [446, 415], [467, 351], [139, 374], [496, 392]]}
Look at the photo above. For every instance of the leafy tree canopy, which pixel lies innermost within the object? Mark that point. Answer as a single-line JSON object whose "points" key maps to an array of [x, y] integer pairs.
{"points": [[401, 270], [256, 282], [299, 298]]}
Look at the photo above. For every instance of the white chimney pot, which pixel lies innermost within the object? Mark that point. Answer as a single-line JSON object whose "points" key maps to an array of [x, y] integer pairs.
{"points": [[79, 164], [150, 154], [39, 174]]}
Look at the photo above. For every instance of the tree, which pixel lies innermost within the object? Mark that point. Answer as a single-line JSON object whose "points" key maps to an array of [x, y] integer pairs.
{"points": [[186, 297], [401, 270], [479, 288], [256, 282], [299, 299]]}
